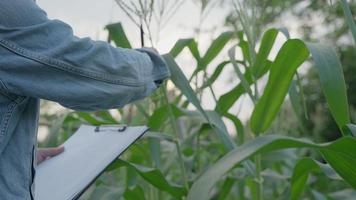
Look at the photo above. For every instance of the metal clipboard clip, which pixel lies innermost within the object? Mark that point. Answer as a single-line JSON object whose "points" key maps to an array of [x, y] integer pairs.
{"points": [[111, 128]]}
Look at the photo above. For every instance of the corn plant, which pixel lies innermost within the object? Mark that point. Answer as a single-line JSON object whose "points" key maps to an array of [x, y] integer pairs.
{"points": [[189, 153]]}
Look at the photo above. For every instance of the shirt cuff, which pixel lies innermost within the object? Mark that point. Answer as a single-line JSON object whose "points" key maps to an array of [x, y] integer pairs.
{"points": [[160, 71]]}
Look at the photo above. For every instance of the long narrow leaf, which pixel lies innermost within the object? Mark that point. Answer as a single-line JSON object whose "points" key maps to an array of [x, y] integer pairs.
{"points": [[259, 68], [301, 172], [135, 193], [292, 54], [153, 176], [215, 74], [267, 43], [215, 48], [245, 84], [335, 153], [349, 19], [352, 129], [118, 35], [181, 44], [227, 100], [179, 79], [332, 81]]}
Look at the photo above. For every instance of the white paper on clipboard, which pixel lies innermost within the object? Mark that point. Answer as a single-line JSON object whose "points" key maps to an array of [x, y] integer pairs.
{"points": [[87, 153]]}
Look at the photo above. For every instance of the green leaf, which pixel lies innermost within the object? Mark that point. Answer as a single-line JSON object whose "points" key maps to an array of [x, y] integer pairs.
{"points": [[332, 152], [180, 81], [341, 157], [259, 68], [215, 48], [243, 80], [260, 65], [245, 49], [332, 81], [301, 172], [349, 19], [227, 100], [159, 136], [292, 54], [181, 44], [159, 116], [226, 188], [105, 193], [135, 193], [90, 118], [118, 35], [295, 99], [238, 126], [215, 74], [352, 129], [152, 176], [155, 150]]}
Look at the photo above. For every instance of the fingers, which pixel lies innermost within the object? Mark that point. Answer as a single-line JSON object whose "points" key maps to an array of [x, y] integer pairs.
{"points": [[50, 152], [43, 154]]}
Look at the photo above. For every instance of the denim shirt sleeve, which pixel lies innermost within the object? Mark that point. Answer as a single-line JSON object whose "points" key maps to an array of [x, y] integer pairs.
{"points": [[42, 58]]}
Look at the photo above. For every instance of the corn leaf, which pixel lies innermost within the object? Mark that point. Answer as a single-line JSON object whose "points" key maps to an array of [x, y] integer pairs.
{"points": [[292, 54], [179, 79], [260, 66], [301, 172], [152, 176], [352, 129], [135, 193], [118, 35], [215, 74], [226, 188], [335, 153], [159, 116], [332, 81], [349, 19], [215, 48], [341, 157], [91, 119], [181, 44]]}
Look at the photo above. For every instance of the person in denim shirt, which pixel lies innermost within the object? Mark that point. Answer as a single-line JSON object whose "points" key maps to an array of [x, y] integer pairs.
{"points": [[42, 59]]}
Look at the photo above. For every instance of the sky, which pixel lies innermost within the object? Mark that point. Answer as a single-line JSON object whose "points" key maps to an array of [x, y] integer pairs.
{"points": [[89, 17]]}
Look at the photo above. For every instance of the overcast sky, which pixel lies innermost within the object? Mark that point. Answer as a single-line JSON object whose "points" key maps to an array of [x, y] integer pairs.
{"points": [[88, 18]]}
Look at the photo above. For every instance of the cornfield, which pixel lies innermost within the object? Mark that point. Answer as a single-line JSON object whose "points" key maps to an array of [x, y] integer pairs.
{"points": [[191, 153]]}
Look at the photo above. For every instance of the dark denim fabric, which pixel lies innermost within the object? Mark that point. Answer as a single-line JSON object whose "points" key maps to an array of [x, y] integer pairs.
{"points": [[42, 59]]}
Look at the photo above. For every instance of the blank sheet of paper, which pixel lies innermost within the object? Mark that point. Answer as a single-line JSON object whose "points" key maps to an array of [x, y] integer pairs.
{"points": [[87, 153]]}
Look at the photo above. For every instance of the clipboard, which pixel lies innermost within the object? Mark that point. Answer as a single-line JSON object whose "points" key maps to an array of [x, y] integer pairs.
{"points": [[88, 152]]}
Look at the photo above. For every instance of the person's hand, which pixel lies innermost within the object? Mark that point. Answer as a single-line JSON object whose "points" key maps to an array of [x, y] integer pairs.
{"points": [[45, 153]]}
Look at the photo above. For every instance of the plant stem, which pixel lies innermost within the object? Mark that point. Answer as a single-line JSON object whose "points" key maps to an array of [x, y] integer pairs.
{"points": [[301, 91], [259, 179], [210, 87], [175, 130]]}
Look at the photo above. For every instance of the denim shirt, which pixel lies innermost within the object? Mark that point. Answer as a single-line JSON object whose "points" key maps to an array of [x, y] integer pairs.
{"points": [[42, 59]]}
